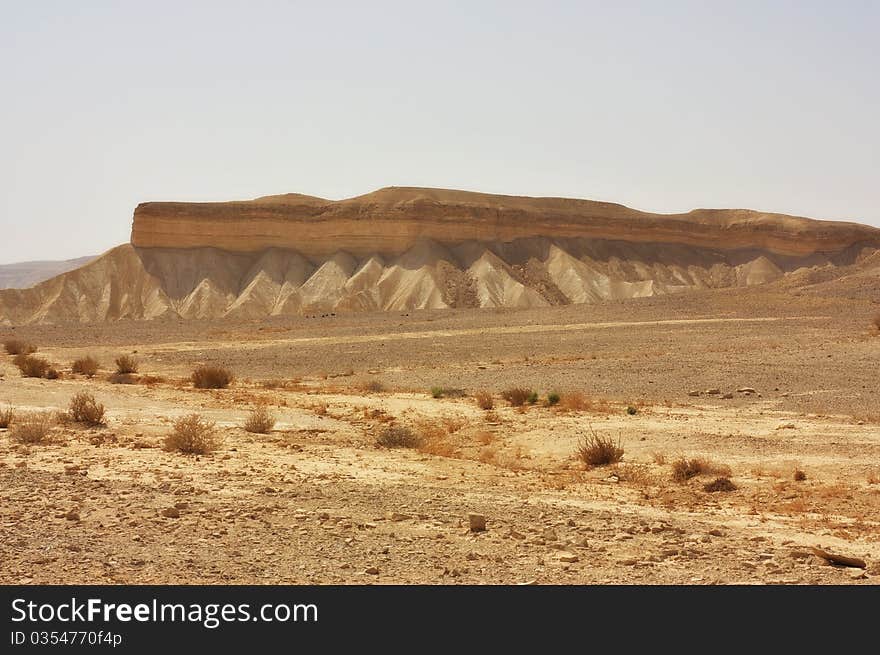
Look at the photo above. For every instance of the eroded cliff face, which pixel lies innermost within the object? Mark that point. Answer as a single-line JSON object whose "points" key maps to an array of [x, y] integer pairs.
{"points": [[406, 249], [390, 221]]}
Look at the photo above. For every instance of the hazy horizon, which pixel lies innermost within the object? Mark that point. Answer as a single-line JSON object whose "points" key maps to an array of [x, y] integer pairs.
{"points": [[663, 108]]}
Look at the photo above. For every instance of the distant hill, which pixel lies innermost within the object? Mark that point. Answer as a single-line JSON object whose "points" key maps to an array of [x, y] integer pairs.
{"points": [[26, 274], [401, 249]]}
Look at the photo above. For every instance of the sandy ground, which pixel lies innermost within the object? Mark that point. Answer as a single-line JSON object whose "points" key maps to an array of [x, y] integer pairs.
{"points": [[318, 501]]}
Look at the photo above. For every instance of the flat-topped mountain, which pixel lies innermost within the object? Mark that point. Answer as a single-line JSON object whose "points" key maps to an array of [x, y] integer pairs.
{"points": [[404, 248]]}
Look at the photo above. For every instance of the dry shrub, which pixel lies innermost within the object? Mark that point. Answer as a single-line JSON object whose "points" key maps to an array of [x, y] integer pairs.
{"points": [[371, 386], [32, 428], [433, 440], [126, 364], [454, 423], [192, 435], [719, 484], [30, 366], [485, 437], [85, 409], [398, 436], [448, 392], [211, 377], [122, 378], [684, 469], [19, 347], [659, 458], [6, 417], [260, 421], [595, 450], [52, 373], [638, 474], [484, 400], [516, 396], [87, 366], [799, 475]]}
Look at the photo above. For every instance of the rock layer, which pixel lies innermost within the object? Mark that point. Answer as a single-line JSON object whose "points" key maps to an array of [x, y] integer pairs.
{"points": [[391, 221]]}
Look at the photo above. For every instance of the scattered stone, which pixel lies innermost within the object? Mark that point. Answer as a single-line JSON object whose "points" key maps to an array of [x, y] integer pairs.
{"points": [[566, 556], [694, 392], [372, 571], [549, 534], [727, 396], [857, 574], [716, 533], [171, 513], [746, 390], [397, 516], [72, 515], [713, 391], [477, 522], [181, 505]]}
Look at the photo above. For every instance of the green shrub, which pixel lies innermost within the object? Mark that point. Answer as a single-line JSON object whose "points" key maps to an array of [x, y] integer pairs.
{"points": [[553, 399]]}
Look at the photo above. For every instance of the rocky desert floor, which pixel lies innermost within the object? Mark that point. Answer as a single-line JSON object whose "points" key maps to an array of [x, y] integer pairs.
{"points": [[318, 501]]}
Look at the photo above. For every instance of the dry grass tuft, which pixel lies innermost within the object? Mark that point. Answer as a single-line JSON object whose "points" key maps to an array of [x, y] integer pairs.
{"points": [[87, 366], [32, 428], [484, 400], [447, 392], [638, 474], [516, 396], [398, 436], [260, 421], [594, 450], [19, 347], [578, 402], [126, 364], [84, 409], [719, 484], [122, 378], [6, 417], [192, 435], [32, 367], [211, 377], [684, 469]]}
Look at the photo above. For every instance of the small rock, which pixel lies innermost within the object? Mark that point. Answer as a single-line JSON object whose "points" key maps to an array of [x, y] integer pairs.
{"points": [[746, 390], [72, 515], [171, 513], [397, 516], [477, 522], [566, 556], [372, 571], [716, 533], [549, 534], [727, 396], [857, 574], [694, 392], [181, 505], [713, 391]]}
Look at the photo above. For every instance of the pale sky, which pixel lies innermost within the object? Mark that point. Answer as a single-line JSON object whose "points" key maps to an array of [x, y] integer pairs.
{"points": [[663, 106]]}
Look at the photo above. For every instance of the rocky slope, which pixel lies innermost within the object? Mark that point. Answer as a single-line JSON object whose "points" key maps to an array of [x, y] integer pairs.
{"points": [[403, 249], [21, 275]]}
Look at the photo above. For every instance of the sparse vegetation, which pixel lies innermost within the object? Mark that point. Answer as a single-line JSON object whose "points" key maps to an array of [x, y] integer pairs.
{"points": [[553, 398], [211, 377], [6, 417], [126, 365], [19, 347], [516, 396], [484, 400], [31, 366], [32, 428], [684, 469], [719, 484], [533, 398], [85, 409], [260, 421], [595, 450], [192, 435], [447, 392], [87, 366], [371, 386], [52, 373], [398, 436]]}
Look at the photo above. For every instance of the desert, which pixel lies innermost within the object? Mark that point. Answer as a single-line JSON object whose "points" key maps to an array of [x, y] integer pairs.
{"points": [[628, 398]]}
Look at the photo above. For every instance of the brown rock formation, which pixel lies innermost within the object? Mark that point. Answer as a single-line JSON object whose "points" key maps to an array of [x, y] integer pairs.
{"points": [[392, 220]]}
